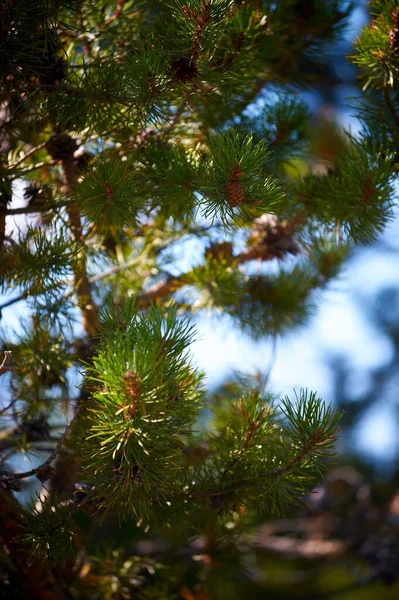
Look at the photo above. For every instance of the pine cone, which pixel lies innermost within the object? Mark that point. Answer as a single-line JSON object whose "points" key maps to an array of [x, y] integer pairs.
{"points": [[235, 192], [185, 69], [61, 146], [54, 70]]}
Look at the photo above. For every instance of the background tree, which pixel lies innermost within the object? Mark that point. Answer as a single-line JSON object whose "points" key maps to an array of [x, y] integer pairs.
{"points": [[133, 129]]}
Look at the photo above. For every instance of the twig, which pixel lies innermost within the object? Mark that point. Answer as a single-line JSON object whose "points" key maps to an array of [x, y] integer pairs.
{"points": [[28, 154], [7, 455], [25, 210], [8, 476], [176, 117], [86, 302], [10, 405], [35, 167], [172, 284], [116, 15], [113, 270], [5, 365]]}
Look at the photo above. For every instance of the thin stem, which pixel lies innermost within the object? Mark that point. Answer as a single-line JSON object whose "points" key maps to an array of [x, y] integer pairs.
{"points": [[35, 167], [12, 476], [25, 210], [5, 366], [176, 118], [113, 270], [28, 154], [116, 14]]}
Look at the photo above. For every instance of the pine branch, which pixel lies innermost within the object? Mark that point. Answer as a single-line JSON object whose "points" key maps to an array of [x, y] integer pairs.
{"points": [[175, 120], [169, 286], [38, 574], [43, 471], [115, 16], [26, 210], [113, 270], [5, 365], [103, 97], [28, 154]]}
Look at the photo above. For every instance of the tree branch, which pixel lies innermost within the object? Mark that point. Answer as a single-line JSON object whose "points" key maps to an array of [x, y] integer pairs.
{"points": [[28, 154], [5, 365], [8, 476], [83, 288]]}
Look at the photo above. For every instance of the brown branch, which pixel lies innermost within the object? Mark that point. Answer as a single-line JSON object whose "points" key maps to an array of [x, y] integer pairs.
{"points": [[25, 210], [169, 286], [8, 476], [82, 93], [5, 365], [113, 270], [10, 405], [116, 15], [83, 288], [176, 118], [28, 154], [315, 441]]}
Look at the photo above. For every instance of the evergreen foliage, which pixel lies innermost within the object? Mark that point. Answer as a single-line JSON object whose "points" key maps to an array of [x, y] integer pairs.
{"points": [[134, 129]]}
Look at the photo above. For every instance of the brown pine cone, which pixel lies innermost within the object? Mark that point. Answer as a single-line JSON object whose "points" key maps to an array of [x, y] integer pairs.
{"points": [[61, 146], [185, 69], [235, 192]]}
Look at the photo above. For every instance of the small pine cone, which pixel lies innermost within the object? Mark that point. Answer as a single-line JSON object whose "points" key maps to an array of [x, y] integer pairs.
{"points": [[61, 146], [54, 70], [185, 69], [235, 192], [394, 39], [133, 386]]}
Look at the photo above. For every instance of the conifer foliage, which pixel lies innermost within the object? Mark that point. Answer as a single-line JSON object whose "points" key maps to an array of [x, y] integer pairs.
{"points": [[132, 128]]}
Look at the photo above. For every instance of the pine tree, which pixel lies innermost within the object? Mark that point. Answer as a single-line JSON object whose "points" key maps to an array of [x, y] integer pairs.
{"points": [[134, 128]]}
